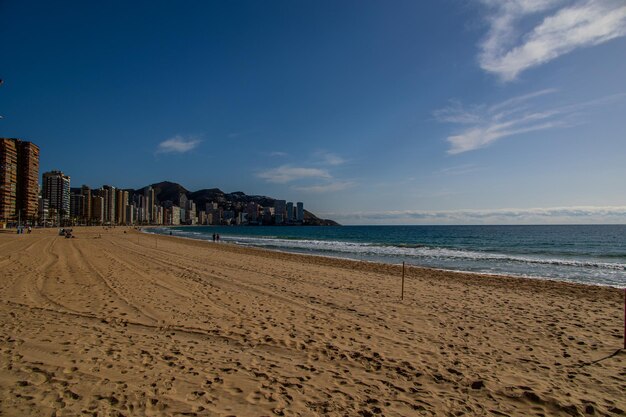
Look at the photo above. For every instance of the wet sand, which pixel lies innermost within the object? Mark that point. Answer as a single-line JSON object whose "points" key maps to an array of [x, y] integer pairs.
{"points": [[115, 323]]}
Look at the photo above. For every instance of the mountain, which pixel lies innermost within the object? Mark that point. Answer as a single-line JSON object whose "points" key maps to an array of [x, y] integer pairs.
{"points": [[165, 191], [237, 201]]}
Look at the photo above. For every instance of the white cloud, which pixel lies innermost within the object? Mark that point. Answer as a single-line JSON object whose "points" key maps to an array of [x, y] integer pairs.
{"points": [[481, 136], [488, 124], [177, 144], [325, 188], [287, 173], [328, 158], [551, 215], [484, 124], [563, 26], [459, 170]]}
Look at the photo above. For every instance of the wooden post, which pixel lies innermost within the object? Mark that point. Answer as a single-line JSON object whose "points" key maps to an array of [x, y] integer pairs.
{"points": [[402, 293]]}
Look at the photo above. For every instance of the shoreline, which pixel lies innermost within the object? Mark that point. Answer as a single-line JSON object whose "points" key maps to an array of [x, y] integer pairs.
{"points": [[411, 266]]}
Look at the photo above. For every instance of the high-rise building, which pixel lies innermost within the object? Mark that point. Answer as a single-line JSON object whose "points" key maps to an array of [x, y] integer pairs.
{"points": [[158, 210], [86, 192], [280, 207], [122, 203], [191, 212], [109, 204], [290, 212], [252, 212], [19, 174], [150, 205], [97, 209], [27, 179], [8, 179], [175, 215], [43, 211], [130, 214], [267, 215], [56, 189], [77, 207], [299, 212], [182, 200]]}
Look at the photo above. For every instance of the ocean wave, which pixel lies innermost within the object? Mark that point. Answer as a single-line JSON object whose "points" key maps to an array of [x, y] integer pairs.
{"points": [[417, 252]]}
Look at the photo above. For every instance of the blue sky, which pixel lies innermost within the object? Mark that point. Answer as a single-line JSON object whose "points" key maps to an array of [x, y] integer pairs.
{"points": [[371, 112]]}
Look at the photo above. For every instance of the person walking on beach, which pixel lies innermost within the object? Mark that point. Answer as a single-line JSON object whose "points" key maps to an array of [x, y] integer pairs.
{"points": [[213, 237]]}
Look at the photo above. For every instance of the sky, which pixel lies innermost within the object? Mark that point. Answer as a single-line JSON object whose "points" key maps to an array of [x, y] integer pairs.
{"points": [[369, 112]]}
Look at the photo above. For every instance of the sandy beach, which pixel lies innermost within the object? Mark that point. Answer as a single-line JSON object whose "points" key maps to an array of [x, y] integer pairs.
{"points": [[116, 322]]}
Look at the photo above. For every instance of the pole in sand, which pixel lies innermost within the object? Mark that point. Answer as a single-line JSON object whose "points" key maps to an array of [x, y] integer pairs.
{"points": [[402, 292]]}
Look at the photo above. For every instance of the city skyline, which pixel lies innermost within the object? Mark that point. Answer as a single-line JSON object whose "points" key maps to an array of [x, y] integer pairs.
{"points": [[26, 202], [65, 205], [451, 112]]}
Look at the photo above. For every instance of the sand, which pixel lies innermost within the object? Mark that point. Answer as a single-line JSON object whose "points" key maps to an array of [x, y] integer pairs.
{"points": [[116, 322]]}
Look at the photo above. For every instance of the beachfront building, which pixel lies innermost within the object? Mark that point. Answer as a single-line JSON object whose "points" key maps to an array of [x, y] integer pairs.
{"points": [[214, 212], [290, 216], [299, 212], [171, 215], [86, 192], [77, 208], [121, 201], [280, 208], [97, 209], [43, 211], [252, 213], [182, 200], [27, 179], [176, 215], [131, 214], [138, 201], [267, 215], [228, 217], [56, 189], [109, 195], [160, 215], [190, 212], [8, 180], [19, 180], [150, 206]]}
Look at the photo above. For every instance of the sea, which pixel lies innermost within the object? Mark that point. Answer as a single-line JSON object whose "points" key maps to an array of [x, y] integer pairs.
{"points": [[590, 254]]}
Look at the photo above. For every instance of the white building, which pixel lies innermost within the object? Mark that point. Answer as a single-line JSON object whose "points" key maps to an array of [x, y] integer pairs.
{"points": [[280, 208], [56, 189], [299, 212]]}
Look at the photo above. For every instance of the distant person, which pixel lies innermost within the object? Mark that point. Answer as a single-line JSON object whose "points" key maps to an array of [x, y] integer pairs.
{"points": [[214, 237], [217, 237]]}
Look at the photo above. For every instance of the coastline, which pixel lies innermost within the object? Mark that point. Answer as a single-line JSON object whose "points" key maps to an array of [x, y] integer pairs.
{"points": [[468, 274], [121, 321]]}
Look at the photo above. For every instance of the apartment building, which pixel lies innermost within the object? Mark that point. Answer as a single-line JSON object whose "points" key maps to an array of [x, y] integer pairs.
{"points": [[19, 175], [56, 189]]}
